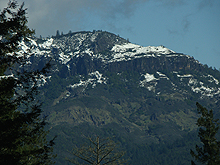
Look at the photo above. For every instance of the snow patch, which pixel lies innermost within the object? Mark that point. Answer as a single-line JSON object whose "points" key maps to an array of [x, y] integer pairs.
{"points": [[162, 75], [213, 79], [150, 81], [151, 88], [6, 76], [185, 76], [149, 77], [95, 77], [43, 80], [23, 46], [64, 58], [198, 87], [130, 51], [94, 36], [47, 44]]}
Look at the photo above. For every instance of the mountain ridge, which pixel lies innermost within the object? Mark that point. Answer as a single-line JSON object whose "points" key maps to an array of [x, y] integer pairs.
{"points": [[103, 82]]}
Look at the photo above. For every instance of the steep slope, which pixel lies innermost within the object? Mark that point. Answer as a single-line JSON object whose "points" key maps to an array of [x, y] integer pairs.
{"points": [[102, 84]]}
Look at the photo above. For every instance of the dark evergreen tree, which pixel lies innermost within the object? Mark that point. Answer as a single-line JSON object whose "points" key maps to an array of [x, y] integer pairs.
{"points": [[22, 134], [58, 33], [209, 152]]}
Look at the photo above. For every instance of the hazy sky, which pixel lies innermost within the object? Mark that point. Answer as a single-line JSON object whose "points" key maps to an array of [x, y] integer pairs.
{"points": [[191, 27]]}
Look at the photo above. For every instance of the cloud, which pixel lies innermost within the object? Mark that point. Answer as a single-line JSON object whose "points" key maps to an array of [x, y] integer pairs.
{"points": [[186, 22], [3, 4], [62, 14], [172, 3], [191, 11], [44, 16], [51, 15], [205, 3], [200, 6]]}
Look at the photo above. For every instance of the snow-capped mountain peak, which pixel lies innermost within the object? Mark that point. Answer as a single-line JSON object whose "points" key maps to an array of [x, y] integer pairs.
{"points": [[95, 53]]}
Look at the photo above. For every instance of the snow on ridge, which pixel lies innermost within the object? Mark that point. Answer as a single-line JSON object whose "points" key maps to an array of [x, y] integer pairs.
{"points": [[128, 51], [79, 39], [47, 44], [141, 49], [123, 48], [94, 36], [35, 48], [124, 52]]}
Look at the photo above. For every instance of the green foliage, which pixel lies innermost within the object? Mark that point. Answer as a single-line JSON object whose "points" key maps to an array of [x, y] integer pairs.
{"points": [[172, 152], [209, 152], [22, 134]]}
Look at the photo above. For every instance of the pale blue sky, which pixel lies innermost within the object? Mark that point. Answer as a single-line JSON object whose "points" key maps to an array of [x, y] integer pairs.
{"points": [[191, 27]]}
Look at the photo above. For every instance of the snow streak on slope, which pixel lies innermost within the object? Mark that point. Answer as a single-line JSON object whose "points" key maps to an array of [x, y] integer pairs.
{"points": [[32, 48], [199, 87], [95, 78], [150, 82]]}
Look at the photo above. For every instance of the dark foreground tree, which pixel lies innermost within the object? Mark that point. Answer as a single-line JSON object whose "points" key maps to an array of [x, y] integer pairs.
{"points": [[209, 152], [22, 134], [98, 152]]}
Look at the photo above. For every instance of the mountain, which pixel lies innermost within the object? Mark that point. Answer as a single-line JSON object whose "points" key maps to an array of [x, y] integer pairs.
{"points": [[101, 84]]}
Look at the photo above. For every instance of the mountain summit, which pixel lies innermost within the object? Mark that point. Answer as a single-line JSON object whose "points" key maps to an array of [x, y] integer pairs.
{"points": [[102, 84], [98, 52]]}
